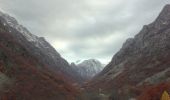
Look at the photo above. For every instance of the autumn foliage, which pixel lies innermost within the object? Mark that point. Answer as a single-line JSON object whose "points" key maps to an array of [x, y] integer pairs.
{"points": [[28, 78], [156, 92], [165, 96]]}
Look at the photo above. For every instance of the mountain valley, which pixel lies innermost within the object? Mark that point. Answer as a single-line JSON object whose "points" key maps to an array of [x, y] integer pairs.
{"points": [[31, 69]]}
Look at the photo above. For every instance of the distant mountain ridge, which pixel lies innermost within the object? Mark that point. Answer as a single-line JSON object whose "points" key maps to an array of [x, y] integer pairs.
{"points": [[87, 68]]}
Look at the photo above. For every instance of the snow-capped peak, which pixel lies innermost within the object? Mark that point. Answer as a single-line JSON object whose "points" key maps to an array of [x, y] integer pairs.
{"points": [[88, 68], [39, 42], [78, 62], [12, 22]]}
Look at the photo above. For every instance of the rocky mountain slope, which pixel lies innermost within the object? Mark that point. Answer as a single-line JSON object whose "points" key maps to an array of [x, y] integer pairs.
{"points": [[30, 68], [37, 46], [140, 70], [87, 68]]}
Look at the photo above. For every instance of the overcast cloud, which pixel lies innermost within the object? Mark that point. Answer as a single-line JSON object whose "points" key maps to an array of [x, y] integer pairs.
{"points": [[83, 29]]}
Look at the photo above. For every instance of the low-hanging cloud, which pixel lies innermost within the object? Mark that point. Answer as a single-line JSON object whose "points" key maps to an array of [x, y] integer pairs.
{"points": [[82, 29]]}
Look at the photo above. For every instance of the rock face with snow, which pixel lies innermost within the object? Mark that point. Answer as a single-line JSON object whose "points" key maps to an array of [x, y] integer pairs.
{"points": [[30, 68], [87, 68], [142, 61], [37, 46], [9, 21]]}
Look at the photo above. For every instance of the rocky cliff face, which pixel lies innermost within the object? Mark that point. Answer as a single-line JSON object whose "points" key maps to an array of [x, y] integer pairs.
{"points": [[30, 68], [37, 46], [142, 61], [87, 68]]}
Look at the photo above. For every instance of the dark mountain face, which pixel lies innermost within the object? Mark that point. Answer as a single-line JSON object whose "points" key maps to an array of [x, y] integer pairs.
{"points": [[37, 47], [30, 68], [143, 61]]}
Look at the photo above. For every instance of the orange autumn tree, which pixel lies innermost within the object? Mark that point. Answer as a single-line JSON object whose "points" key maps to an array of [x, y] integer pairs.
{"points": [[165, 96]]}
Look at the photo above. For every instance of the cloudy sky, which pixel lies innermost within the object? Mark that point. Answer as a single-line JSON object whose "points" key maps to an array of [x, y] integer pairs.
{"points": [[83, 29]]}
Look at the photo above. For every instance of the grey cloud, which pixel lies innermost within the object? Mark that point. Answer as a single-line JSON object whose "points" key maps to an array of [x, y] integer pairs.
{"points": [[75, 22]]}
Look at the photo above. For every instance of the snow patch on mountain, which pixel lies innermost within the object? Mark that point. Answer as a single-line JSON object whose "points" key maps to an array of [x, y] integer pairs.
{"points": [[12, 22], [39, 42], [87, 68]]}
